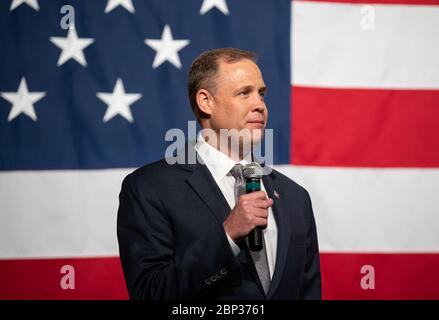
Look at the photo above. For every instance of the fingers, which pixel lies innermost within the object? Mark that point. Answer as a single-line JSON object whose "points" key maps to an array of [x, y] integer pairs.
{"points": [[260, 213], [258, 195], [249, 212], [259, 202], [259, 222], [263, 204]]}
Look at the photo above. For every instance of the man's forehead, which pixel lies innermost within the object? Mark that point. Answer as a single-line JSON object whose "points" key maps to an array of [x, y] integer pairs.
{"points": [[242, 63], [237, 70]]}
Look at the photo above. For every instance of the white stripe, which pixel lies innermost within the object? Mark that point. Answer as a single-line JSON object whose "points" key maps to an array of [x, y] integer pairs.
{"points": [[59, 213], [330, 47], [379, 210], [73, 213]]}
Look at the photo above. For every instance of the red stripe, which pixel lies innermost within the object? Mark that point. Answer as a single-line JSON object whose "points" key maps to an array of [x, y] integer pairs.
{"points": [[397, 276], [412, 2], [365, 127], [96, 278]]}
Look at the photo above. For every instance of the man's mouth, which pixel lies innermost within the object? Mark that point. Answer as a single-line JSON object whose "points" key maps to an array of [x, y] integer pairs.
{"points": [[256, 122]]}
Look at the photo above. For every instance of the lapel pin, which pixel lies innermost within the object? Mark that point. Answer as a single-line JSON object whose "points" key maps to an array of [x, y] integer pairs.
{"points": [[276, 194]]}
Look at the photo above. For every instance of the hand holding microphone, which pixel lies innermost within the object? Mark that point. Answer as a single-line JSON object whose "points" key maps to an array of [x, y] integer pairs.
{"points": [[250, 213]]}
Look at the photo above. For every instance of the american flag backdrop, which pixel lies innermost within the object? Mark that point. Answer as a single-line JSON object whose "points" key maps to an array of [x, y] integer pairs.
{"points": [[353, 95]]}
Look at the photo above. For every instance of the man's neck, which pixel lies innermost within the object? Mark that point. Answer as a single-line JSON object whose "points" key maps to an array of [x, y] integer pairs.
{"points": [[236, 153]]}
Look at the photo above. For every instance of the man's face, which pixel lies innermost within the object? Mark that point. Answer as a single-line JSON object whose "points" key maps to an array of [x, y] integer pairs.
{"points": [[238, 101]]}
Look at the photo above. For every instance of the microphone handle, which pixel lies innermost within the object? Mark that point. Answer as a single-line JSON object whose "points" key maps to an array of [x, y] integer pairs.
{"points": [[255, 241]]}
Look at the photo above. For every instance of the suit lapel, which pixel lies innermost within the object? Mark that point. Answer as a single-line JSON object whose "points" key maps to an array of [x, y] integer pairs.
{"points": [[205, 186], [283, 229]]}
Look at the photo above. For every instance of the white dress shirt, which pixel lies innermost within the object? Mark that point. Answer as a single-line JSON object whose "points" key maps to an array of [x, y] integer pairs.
{"points": [[219, 166]]}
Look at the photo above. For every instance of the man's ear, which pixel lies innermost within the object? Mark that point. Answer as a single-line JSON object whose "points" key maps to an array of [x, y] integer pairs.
{"points": [[204, 101]]}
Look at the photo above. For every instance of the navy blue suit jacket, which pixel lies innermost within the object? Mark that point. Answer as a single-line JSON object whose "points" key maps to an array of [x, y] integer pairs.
{"points": [[173, 245]]}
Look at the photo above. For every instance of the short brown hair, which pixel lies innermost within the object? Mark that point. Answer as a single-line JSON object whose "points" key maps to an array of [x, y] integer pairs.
{"points": [[204, 69]]}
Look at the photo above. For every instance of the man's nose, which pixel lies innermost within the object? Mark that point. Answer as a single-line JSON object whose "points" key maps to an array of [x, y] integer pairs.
{"points": [[258, 106]]}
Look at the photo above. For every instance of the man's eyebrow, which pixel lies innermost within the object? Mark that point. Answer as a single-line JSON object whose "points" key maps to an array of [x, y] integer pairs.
{"points": [[249, 88], [244, 88]]}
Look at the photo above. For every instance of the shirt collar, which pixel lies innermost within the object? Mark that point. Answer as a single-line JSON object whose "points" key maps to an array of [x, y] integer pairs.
{"points": [[217, 162]]}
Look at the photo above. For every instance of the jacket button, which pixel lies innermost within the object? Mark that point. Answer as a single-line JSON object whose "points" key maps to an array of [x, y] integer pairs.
{"points": [[223, 271]]}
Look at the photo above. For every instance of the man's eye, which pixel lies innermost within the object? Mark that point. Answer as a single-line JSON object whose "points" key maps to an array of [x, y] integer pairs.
{"points": [[262, 94], [244, 93]]}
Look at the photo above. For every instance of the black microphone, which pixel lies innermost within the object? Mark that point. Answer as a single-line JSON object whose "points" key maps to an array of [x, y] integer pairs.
{"points": [[252, 173]]}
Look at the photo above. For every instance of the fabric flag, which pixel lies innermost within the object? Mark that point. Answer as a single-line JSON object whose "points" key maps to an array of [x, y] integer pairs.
{"points": [[88, 90]]}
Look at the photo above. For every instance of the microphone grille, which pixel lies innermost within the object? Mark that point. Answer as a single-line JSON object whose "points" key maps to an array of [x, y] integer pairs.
{"points": [[252, 170]]}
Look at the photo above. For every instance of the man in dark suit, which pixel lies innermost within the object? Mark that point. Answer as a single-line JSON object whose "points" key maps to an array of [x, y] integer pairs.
{"points": [[182, 227]]}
